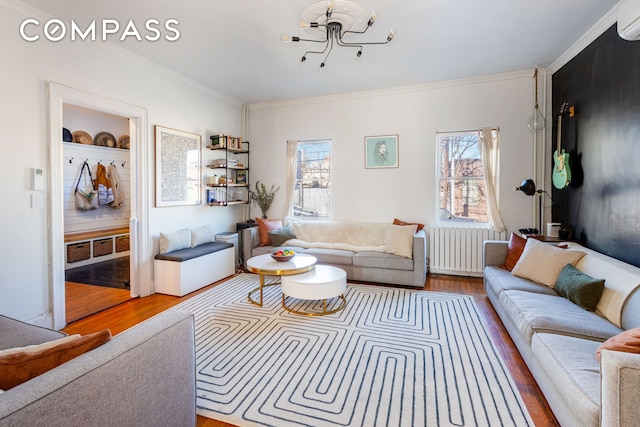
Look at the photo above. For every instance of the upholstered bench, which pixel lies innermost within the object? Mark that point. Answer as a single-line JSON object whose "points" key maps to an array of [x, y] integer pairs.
{"points": [[186, 270]]}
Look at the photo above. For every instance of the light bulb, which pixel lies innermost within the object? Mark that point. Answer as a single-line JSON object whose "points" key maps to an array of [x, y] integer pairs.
{"points": [[392, 34], [330, 5], [304, 25], [373, 17]]}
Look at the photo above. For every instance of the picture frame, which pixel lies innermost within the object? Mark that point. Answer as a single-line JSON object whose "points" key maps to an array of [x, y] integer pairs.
{"points": [[381, 151], [178, 171], [241, 177]]}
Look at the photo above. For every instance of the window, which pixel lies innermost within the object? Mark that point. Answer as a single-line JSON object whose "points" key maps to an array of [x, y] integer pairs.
{"points": [[463, 196], [312, 187]]}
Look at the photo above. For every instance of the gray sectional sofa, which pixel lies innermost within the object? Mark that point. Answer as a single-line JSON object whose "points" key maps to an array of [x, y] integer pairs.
{"points": [[144, 376], [558, 339], [355, 247]]}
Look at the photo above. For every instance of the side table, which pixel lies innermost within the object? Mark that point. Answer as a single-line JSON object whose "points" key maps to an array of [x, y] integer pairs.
{"points": [[239, 227]]}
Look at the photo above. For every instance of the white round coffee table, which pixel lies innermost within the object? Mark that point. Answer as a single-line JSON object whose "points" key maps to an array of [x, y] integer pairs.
{"points": [[264, 265], [323, 282]]}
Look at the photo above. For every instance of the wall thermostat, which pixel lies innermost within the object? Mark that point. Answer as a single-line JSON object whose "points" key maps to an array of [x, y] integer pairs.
{"points": [[37, 179]]}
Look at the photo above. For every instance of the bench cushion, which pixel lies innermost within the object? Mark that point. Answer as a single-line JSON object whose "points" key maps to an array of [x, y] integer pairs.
{"points": [[190, 253]]}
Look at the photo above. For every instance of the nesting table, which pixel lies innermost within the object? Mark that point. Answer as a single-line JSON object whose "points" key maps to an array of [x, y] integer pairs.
{"points": [[300, 278], [264, 265]]}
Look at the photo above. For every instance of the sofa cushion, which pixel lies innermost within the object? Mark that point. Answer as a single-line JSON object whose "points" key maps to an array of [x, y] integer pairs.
{"points": [[532, 312], [579, 288], [621, 280], [331, 256], [21, 364], [514, 251], [202, 235], [363, 234], [175, 240], [627, 341], [264, 227], [14, 333], [382, 260], [281, 235], [396, 221], [399, 240], [500, 279], [571, 365], [542, 262]]}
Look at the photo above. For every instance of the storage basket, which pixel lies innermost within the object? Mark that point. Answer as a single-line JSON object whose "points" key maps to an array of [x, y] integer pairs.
{"points": [[102, 247], [78, 251], [122, 243]]}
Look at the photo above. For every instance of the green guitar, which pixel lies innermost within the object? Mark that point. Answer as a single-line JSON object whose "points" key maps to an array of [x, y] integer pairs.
{"points": [[561, 171]]}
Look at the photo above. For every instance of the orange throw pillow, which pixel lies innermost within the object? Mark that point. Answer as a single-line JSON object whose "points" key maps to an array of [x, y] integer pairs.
{"points": [[264, 227], [516, 246], [22, 364], [396, 221], [627, 342]]}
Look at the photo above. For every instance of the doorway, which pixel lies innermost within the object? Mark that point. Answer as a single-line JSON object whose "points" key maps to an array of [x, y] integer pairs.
{"points": [[140, 266]]}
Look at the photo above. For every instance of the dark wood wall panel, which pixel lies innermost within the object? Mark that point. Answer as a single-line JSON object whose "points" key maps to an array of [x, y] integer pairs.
{"points": [[602, 203]]}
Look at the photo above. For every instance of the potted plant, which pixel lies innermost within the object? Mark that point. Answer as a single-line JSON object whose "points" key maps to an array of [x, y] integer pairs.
{"points": [[263, 196]]}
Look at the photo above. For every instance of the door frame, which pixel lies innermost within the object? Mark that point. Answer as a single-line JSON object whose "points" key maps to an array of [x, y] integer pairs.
{"points": [[140, 245]]}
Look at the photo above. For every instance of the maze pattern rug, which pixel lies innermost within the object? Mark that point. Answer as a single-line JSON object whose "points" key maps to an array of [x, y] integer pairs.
{"points": [[392, 357]]}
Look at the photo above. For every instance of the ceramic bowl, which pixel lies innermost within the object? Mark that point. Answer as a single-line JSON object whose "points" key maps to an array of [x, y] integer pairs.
{"points": [[281, 258]]}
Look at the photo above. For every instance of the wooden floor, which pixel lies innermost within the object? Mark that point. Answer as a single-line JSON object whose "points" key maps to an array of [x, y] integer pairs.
{"points": [[128, 314], [84, 300]]}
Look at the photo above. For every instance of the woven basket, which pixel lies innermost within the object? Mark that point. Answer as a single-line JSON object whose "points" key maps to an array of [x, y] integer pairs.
{"points": [[78, 251]]}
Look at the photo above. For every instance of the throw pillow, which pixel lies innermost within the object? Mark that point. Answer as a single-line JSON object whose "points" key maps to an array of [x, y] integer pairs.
{"points": [[396, 221], [399, 240], [22, 364], [281, 235], [543, 263], [264, 227], [174, 241], [202, 235], [579, 288], [627, 341], [516, 246]]}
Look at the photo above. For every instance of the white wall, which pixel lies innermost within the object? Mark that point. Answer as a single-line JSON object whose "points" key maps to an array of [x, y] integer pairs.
{"points": [[415, 114], [27, 67]]}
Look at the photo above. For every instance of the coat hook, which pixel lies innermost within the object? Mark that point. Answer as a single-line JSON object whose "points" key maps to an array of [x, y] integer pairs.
{"points": [[99, 161], [71, 160], [123, 163]]}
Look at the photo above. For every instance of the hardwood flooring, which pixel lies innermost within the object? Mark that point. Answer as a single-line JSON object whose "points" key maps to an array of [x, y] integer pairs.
{"points": [[128, 314], [85, 300]]}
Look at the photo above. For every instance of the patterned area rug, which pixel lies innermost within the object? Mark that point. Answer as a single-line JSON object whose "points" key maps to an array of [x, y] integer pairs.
{"points": [[392, 357]]}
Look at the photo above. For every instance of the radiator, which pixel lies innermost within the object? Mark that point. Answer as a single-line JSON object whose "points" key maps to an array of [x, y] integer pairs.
{"points": [[458, 250]]}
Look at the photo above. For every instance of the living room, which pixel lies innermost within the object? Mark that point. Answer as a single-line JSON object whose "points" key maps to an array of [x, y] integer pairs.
{"points": [[414, 112]]}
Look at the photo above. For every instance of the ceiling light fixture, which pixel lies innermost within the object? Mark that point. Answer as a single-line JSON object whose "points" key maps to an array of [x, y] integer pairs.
{"points": [[336, 19], [536, 120]]}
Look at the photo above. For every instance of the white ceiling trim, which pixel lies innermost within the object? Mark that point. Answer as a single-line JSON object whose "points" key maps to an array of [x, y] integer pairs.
{"points": [[393, 91], [587, 38]]}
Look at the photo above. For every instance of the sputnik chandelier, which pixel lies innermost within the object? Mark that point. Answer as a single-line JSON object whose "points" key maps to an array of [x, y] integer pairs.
{"points": [[335, 20]]}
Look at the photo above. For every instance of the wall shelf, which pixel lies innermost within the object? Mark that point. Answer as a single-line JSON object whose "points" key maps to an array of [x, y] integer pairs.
{"points": [[234, 165]]}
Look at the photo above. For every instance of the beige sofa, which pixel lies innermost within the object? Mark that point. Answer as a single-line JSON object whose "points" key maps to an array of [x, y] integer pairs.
{"points": [[367, 251], [558, 339], [144, 376]]}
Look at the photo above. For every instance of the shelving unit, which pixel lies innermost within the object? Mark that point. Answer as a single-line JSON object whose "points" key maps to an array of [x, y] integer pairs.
{"points": [[235, 164]]}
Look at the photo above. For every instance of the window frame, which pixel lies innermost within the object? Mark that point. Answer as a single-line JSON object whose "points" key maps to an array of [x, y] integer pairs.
{"points": [[329, 142], [456, 221]]}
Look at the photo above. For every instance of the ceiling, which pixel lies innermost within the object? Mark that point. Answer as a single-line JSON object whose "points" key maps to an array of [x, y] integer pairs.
{"points": [[234, 47]]}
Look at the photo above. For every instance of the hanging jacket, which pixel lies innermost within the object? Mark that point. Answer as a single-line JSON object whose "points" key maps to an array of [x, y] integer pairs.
{"points": [[102, 183], [116, 185]]}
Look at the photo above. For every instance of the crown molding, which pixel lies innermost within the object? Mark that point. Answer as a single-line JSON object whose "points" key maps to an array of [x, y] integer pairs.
{"points": [[587, 38], [393, 91], [31, 12]]}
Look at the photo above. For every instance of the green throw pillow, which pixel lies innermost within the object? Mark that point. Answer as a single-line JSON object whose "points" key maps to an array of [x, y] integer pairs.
{"points": [[579, 288], [281, 235]]}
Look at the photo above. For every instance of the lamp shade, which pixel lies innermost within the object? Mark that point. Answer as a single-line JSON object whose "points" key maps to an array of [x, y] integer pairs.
{"points": [[528, 187]]}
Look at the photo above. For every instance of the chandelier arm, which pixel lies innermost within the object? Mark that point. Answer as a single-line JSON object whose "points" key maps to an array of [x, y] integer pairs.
{"points": [[333, 35], [348, 44]]}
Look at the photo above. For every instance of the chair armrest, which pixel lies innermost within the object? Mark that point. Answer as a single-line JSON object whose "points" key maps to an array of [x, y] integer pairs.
{"points": [[620, 382], [494, 252]]}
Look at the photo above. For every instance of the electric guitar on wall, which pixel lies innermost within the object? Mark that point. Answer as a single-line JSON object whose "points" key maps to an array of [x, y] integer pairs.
{"points": [[561, 171]]}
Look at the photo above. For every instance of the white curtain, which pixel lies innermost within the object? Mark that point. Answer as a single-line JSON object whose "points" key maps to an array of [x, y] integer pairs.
{"points": [[292, 149], [489, 154]]}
